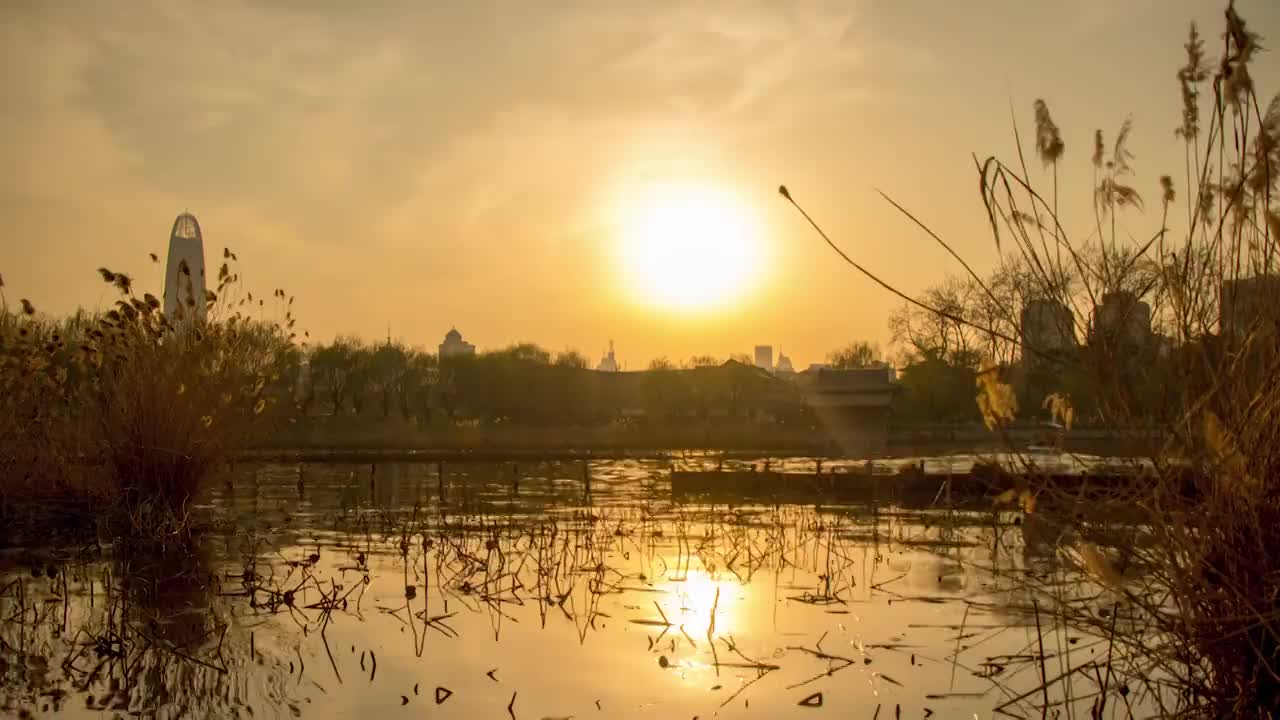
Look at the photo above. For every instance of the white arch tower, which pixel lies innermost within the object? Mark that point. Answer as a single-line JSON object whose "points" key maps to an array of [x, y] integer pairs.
{"points": [[185, 244]]}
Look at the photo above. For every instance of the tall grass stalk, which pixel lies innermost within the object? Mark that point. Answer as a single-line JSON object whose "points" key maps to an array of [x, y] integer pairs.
{"points": [[1187, 593], [121, 414]]}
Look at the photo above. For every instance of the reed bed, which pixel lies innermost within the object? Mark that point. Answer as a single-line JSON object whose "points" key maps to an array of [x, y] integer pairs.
{"points": [[117, 417], [1189, 600]]}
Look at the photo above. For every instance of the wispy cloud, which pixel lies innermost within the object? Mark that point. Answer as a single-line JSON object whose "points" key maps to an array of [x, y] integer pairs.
{"points": [[420, 141]]}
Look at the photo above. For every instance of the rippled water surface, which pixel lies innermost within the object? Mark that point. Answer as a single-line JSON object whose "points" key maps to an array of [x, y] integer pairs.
{"points": [[532, 590]]}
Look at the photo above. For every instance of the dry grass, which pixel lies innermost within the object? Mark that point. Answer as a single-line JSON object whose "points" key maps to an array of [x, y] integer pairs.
{"points": [[129, 409], [1188, 599]]}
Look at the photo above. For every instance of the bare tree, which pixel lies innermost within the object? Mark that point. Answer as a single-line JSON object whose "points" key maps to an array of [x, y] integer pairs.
{"points": [[571, 359], [855, 355]]}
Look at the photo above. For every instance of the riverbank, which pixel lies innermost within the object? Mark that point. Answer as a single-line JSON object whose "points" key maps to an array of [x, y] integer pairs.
{"points": [[347, 438]]}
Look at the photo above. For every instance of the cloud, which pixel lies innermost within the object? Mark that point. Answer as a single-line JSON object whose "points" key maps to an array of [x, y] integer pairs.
{"points": [[741, 53], [415, 141], [323, 124], [51, 143]]}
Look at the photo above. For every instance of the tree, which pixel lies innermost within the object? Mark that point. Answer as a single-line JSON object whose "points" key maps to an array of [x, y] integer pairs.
{"points": [[999, 306], [698, 361], [331, 369], [989, 312], [388, 366], [931, 335], [421, 376], [666, 392], [855, 355], [292, 382], [661, 363], [526, 351], [571, 359], [360, 380], [935, 390]]}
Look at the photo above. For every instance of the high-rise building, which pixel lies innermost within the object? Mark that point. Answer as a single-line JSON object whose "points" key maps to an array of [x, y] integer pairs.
{"points": [[455, 346], [1047, 326], [184, 282], [1122, 319], [764, 357], [784, 364], [1249, 305]]}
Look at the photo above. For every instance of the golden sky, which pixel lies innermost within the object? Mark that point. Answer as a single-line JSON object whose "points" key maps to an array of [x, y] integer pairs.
{"points": [[422, 165]]}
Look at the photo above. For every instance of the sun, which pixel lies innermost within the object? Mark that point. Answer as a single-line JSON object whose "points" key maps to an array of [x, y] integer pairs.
{"points": [[688, 245]]}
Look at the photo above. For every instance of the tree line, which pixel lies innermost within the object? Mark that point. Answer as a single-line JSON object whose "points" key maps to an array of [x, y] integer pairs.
{"points": [[525, 383]]}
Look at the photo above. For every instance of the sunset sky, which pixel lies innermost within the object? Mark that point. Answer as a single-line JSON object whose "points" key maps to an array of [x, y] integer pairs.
{"points": [[488, 164]]}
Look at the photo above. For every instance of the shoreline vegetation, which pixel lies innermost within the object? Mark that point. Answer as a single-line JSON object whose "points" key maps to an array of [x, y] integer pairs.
{"points": [[113, 421], [742, 438], [1186, 594]]}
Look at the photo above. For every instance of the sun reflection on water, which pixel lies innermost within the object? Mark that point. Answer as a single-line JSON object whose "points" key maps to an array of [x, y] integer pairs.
{"points": [[563, 612], [694, 599]]}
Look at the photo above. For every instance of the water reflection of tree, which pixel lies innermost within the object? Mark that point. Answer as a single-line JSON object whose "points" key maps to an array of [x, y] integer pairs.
{"points": [[142, 631]]}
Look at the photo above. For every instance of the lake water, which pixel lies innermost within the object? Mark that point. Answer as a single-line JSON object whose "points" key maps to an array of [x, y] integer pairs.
{"points": [[512, 591]]}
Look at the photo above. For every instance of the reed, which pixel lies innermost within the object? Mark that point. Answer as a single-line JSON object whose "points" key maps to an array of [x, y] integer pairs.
{"points": [[122, 414], [1188, 598]]}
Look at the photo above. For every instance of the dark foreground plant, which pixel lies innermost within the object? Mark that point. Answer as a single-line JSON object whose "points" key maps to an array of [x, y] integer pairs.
{"points": [[1189, 600], [121, 415]]}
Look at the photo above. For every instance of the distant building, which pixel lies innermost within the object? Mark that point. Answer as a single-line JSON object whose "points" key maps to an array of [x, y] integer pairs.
{"points": [[184, 284], [853, 406], [1122, 319], [784, 365], [455, 346], [1047, 326], [608, 363], [1250, 304], [764, 357]]}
